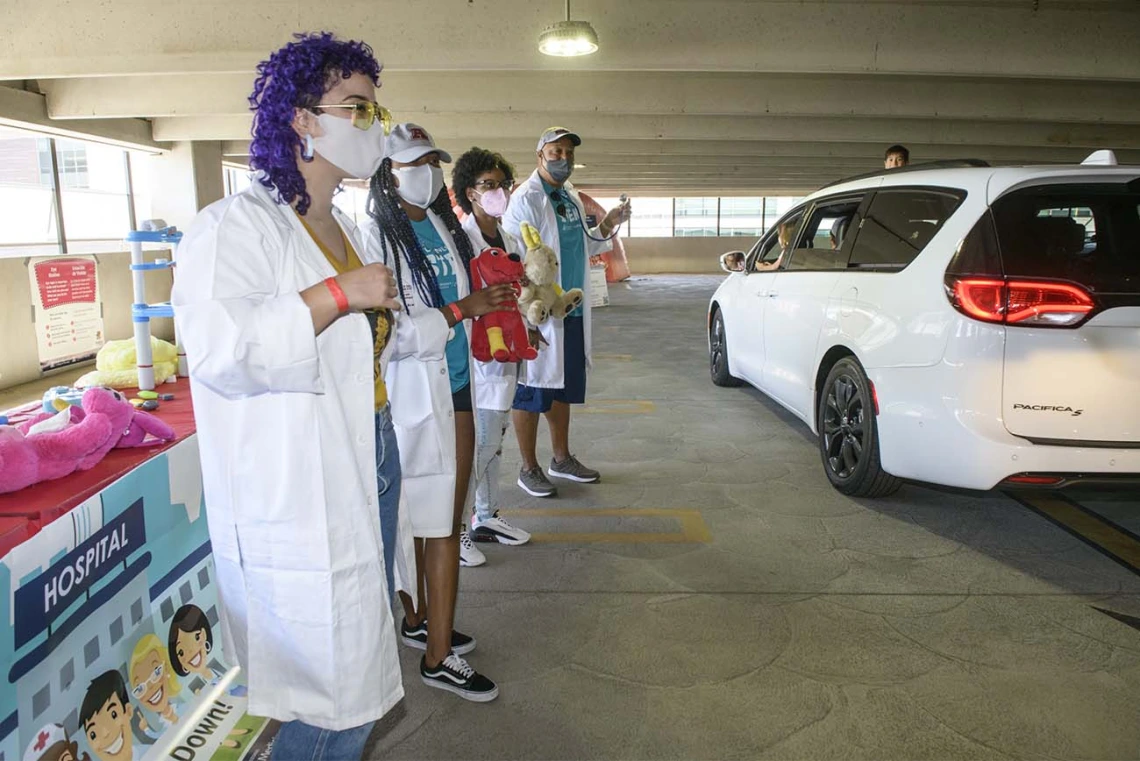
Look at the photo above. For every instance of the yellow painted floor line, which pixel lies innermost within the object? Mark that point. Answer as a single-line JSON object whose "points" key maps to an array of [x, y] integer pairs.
{"points": [[615, 357], [1099, 533], [693, 528], [619, 407]]}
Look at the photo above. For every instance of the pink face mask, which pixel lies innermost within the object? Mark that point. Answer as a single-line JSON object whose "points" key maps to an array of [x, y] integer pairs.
{"points": [[494, 202]]}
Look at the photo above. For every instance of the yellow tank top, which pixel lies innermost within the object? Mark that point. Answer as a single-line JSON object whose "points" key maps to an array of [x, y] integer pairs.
{"points": [[379, 320]]}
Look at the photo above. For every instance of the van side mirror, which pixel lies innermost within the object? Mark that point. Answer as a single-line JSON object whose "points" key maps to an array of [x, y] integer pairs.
{"points": [[732, 262]]}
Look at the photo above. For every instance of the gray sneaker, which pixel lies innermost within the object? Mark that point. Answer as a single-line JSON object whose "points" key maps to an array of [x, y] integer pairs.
{"points": [[573, 470], [534, 483]]}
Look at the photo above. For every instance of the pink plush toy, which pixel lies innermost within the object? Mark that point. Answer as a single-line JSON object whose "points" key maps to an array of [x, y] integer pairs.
{"points": [[41, 449], [42, 456], [134, 424]]}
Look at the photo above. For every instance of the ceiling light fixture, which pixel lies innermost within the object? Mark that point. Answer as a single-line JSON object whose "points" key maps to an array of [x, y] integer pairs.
{"points": [[568, 38]]}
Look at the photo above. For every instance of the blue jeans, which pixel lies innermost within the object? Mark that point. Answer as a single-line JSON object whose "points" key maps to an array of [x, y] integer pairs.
{"points": [[490, 427], [388, 491], [297, 741], [302, 742]]}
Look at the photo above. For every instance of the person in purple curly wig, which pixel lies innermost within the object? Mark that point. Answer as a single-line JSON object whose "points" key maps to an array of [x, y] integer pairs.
{"points": [[286, 320]]}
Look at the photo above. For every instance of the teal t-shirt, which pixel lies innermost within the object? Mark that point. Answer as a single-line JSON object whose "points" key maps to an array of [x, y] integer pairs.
{"points": [[436, 251], [571, 242]]}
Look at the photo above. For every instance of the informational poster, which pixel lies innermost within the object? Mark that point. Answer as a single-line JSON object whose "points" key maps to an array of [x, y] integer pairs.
{"points": [[68, 309], [113, 648]]}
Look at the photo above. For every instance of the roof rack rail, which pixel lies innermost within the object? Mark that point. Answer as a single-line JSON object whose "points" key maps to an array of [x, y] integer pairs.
{"points": [[946, 164]]}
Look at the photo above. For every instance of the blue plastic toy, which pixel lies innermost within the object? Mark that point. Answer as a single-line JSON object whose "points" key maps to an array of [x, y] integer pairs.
{"points": [[58, 398]]}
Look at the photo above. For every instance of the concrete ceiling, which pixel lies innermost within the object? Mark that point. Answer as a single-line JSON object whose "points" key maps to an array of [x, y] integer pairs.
{"points": [[684, 97]]}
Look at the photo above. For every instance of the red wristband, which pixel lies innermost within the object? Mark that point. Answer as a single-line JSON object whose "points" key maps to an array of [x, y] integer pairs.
{"points": [[337, 294], [456, 311]]}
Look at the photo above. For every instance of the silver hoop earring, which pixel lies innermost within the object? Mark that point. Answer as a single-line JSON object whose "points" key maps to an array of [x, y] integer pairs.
{"points": [[307, 152]]}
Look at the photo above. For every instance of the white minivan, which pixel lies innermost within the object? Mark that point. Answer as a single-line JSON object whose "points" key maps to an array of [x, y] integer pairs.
{"points": [[968, 326]]}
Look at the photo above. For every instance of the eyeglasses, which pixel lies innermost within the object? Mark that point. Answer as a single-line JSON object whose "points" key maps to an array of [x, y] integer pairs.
{"points": [[507, 185], [364, 113], [140, 689]]}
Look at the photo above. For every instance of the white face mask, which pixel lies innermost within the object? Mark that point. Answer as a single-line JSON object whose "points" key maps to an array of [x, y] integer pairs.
{"points": [[355, 152], [419, 185]]}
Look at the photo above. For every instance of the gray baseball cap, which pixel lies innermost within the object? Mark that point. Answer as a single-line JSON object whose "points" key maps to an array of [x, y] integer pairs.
{"points": [[557, 133], [411, 142]]}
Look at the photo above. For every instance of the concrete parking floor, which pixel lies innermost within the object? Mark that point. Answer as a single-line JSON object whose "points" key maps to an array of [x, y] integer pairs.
{"points": [[714, 598]]}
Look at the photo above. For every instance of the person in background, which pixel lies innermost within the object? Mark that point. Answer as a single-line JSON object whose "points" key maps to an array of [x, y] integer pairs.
{"points": [[557, 378], [482, 182], [785, 232], [896, 156], [413, 228], [286, 320]]}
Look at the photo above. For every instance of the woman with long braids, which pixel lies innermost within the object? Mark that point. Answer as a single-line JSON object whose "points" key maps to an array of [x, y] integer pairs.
{"points": [[414, 230], [286, 322]]}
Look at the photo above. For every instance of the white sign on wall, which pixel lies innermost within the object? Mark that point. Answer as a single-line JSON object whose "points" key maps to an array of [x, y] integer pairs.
{"points": [[599, 289], [68, 310]]}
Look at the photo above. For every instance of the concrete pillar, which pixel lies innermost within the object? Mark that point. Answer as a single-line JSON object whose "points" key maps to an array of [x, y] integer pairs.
{"points": [[184, 181]]}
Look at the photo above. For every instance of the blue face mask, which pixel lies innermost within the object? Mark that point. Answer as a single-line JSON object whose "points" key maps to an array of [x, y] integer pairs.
{"points": [[559, 170]]}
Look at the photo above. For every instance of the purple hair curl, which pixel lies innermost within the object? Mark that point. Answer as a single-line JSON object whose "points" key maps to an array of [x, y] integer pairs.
{"points": [[297, 76]]}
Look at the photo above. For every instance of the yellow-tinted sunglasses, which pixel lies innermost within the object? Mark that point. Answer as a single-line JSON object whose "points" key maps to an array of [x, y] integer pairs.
{"points": [[364, 113]]}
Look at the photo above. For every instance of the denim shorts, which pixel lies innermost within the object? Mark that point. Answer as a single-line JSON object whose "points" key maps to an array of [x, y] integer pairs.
{"points": [[573, 391]]}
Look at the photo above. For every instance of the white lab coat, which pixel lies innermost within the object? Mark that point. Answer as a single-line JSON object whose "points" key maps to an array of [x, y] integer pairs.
{"points": [[494, 381], [288, 448], [530, 203], [420, 387]]}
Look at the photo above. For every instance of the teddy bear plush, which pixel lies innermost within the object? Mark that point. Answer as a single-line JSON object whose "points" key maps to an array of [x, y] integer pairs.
{"points": [[543, 298], [500, 335]]}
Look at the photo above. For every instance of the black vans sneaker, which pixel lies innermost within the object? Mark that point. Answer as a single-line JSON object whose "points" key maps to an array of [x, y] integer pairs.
{"points": [[455, 675], [416, 637]]}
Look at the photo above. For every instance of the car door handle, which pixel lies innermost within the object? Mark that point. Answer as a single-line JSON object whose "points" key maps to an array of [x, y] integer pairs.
{"points": [[772, 294]]}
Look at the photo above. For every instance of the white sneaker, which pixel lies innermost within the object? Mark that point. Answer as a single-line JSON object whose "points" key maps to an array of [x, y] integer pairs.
{"points": [[495, 529], [469, 554]]}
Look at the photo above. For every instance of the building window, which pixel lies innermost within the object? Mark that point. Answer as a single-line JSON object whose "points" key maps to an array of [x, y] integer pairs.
{"points": [[167, 609], [94, 191], [116, 630], [695, 217], [212, 615], [67, 675], [186, 592], [40, 701], [27, 196], [137, 612], [237, 179], [91, 652], [652, 218], [204, 578], [742, 216]]}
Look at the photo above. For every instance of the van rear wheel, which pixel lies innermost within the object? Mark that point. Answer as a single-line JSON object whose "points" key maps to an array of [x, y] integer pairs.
{"points": [[849, 434]]}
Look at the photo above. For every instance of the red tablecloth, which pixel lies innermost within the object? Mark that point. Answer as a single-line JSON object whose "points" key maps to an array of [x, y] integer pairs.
{"points": [[42, 503]]}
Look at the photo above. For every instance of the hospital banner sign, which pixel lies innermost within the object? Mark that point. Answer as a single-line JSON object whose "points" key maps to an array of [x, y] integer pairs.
{"points": [[114, 648]]}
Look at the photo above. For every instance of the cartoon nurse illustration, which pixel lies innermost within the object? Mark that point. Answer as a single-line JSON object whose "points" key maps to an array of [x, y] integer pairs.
{"points": [[51, 744], [154, 684]]}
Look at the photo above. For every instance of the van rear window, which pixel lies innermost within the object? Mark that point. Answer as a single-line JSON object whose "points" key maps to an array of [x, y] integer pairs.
{"points": [[1086, 234]]}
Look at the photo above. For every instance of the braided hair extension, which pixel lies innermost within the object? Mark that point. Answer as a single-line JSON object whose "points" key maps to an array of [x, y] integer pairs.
{"points": [[397, 235]]}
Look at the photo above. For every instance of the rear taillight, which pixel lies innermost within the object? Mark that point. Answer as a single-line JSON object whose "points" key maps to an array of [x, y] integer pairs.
{"points": [[1020, 302]]}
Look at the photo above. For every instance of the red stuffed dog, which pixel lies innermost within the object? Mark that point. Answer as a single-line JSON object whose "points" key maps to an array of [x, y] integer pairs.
{"points": [[500, 335]]}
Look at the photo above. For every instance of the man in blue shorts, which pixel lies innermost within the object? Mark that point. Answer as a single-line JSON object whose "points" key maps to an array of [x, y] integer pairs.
{"points": [[557, 379]]}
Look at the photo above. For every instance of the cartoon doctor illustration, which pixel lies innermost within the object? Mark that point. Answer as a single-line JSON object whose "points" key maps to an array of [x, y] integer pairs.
{"points": [[105, 716]]}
